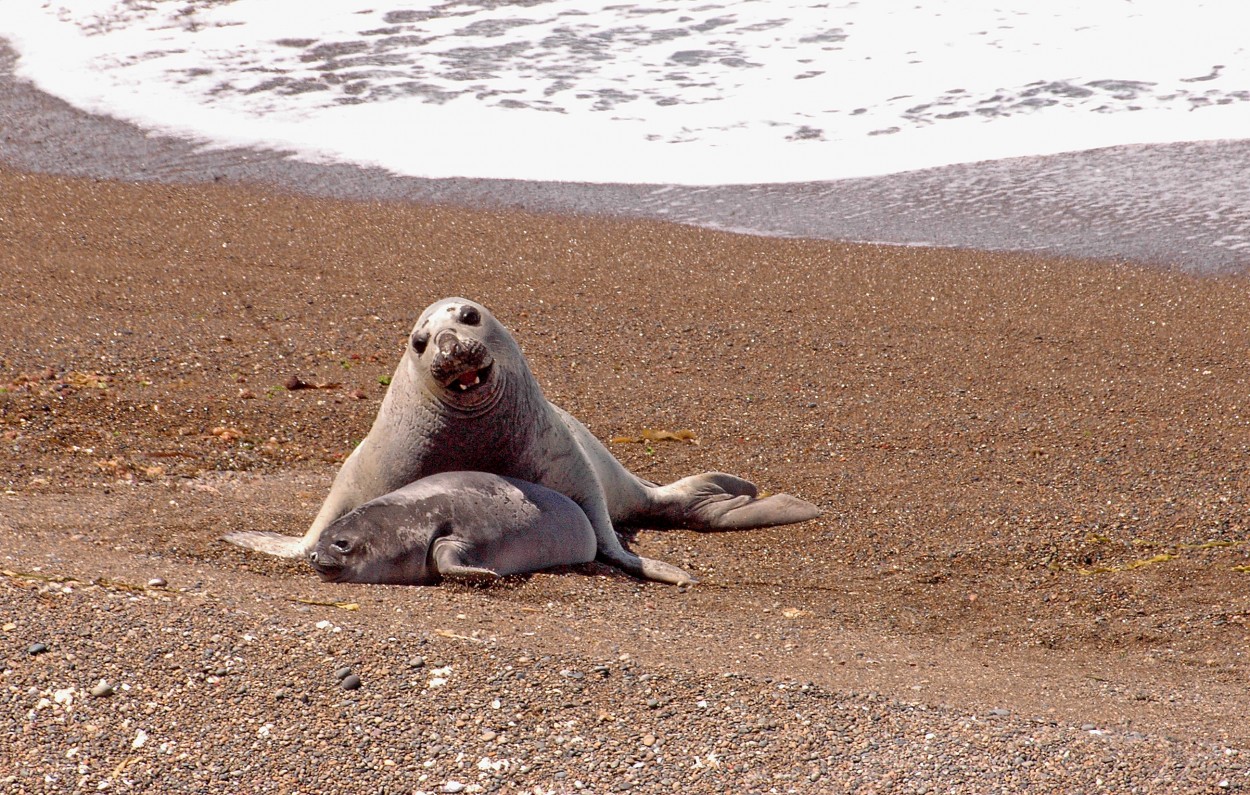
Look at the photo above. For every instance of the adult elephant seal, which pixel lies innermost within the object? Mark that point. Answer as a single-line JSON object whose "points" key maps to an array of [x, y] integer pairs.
{"points": [[463, 398], [460, 525]]}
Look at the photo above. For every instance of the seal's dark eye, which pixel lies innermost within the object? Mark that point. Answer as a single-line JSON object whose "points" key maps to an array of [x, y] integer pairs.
{"points": [[470, 316], [342, 545], [419, 341]]}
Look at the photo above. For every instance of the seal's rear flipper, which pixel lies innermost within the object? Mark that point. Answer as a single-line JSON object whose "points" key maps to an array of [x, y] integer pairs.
{"points": [[716, 501], [269, 543], [742, 513]]}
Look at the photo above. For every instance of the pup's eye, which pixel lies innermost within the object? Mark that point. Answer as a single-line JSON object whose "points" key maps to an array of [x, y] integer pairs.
{"points": [[470, 316], [342, 545], [419, 340]]}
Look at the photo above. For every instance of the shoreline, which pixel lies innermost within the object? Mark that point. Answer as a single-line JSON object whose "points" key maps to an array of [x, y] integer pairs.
{"points": [[1179, 206]]}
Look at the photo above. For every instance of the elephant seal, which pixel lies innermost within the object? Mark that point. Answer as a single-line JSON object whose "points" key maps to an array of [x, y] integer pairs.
{"points": [[463, 399], [461, 525]]}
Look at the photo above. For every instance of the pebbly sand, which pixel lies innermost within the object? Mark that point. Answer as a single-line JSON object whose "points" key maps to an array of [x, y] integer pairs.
{"points": [[1002, 445], [1031, 574]]}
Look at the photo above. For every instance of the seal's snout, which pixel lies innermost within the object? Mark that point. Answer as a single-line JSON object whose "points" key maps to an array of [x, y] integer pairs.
{"points": [[448, 342], [460, 364], [326, 563]]}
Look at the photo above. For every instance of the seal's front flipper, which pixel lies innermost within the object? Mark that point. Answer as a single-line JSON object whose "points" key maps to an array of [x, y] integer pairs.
{"points": [[448, 559], [269, 543], [468, 574], [648, 568], [660, 571], [716, 501]]}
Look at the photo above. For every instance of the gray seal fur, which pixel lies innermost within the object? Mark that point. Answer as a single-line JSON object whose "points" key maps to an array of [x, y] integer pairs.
{"points": [[460, 525], [463, 399]]}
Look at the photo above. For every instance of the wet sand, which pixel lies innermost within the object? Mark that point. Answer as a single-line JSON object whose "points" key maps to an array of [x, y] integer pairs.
{"points": [[1031, 573], [1183, 206]]}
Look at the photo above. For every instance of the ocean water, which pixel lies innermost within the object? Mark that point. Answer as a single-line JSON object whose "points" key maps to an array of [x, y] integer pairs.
{"points": [[652, 92]]}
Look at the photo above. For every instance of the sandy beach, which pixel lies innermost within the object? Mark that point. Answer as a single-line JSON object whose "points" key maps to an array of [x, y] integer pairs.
{"points": [[1030, 574]]}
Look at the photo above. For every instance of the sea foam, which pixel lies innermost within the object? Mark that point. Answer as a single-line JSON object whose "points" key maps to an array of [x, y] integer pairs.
{"points": [[663, 92]]}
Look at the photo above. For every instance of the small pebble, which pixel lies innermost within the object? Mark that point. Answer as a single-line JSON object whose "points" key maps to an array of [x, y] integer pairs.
{"points": [[648, 740], [37, 648], [351, 682], [453, 786], [157, 582], [342, 673], [102, 689]]}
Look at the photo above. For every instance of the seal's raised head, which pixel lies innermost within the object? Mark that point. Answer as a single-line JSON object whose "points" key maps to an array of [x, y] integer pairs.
{"points": [[461, 353], [368, 545]]}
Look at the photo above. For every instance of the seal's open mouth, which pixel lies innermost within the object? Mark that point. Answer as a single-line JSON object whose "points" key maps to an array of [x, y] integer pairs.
{"points": [[471, 379]]}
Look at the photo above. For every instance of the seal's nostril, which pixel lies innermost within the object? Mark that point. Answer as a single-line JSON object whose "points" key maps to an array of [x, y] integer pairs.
{"points": [[447, 341]]}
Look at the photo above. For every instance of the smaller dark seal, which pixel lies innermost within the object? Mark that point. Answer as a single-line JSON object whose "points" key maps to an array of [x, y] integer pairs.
{"points": [[461, 525]]}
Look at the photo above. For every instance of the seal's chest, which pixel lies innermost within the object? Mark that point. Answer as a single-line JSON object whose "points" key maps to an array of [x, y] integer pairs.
{"points": [[476, 445]]}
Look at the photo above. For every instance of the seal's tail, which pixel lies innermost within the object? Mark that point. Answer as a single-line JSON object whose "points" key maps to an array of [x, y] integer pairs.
{"points": [[269, 543], [717, 501]]}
